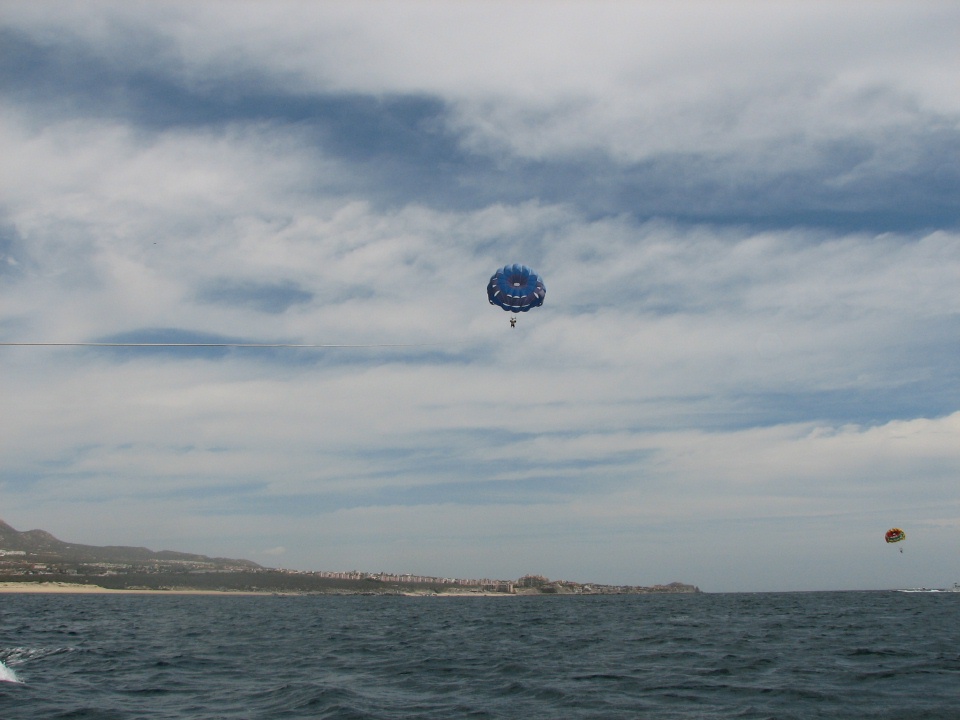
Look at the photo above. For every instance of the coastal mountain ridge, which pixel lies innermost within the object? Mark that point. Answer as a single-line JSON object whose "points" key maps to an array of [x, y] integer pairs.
{"points": [[42, 543]]}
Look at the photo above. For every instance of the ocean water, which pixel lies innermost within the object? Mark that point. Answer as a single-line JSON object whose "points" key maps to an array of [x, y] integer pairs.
{"points": [[792, 655]]}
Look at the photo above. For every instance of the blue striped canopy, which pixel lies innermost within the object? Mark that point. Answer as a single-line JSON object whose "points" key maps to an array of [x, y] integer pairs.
{"points": [[516, 288]]}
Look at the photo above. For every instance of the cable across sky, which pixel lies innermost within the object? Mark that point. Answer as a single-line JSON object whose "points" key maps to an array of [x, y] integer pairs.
{"points": [[213, 345]]}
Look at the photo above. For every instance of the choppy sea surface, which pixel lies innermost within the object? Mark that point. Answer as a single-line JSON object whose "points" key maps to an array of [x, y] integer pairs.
{"points": [[793, 655]]}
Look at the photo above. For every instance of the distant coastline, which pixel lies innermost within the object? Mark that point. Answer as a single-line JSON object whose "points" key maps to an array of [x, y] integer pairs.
{"points": [[36, 561], [46, 586]]}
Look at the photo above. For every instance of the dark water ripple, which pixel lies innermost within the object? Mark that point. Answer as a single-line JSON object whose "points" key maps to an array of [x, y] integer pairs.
{"points": [[757, 656]]}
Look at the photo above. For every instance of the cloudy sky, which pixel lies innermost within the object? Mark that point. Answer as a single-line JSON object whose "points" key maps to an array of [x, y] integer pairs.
{"points": [[747, 216]]}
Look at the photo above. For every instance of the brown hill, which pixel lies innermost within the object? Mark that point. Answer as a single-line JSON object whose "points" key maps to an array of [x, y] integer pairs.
{"points": [[44, 546]]}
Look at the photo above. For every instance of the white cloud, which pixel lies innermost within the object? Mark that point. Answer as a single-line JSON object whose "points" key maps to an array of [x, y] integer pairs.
{"points": [[693, 401], [631, 79]]}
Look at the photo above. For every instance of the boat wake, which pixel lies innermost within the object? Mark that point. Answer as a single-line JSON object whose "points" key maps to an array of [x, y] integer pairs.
{"points": [[8, 675], [22, 655], [954, 589]]}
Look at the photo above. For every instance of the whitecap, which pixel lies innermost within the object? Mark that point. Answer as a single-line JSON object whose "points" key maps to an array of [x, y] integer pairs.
{"points": [[8, 675]]}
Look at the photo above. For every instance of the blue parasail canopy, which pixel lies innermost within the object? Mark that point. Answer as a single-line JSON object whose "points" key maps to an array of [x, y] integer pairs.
{"points": [[516, 288]]}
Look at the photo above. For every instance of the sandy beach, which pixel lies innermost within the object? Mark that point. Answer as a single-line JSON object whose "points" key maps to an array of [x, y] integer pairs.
{"points": [[61, 587]]}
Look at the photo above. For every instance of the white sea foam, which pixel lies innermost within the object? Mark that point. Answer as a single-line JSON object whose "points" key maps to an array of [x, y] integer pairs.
{"points": [[7, 675]]}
